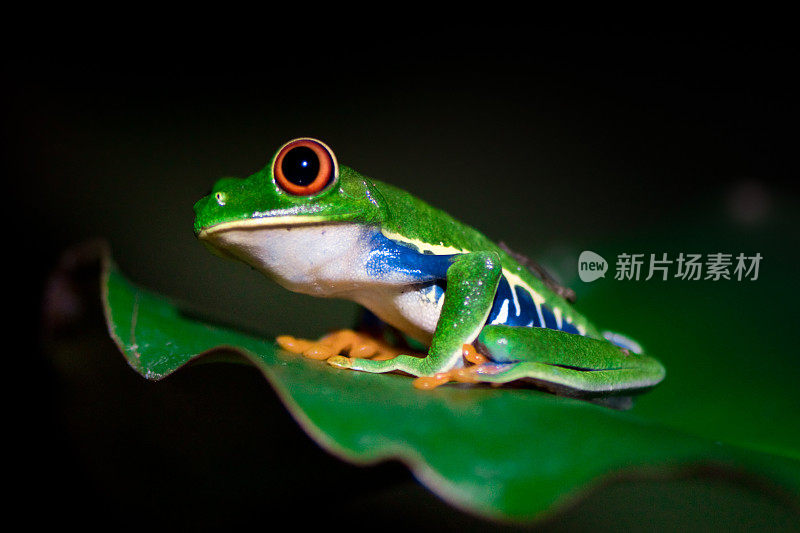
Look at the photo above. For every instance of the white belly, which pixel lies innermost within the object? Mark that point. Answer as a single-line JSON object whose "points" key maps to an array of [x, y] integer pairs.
{"points": [[329, 260], [409, 308]]}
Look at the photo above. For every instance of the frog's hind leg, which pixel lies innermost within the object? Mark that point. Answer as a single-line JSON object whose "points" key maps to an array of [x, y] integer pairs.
{"points": [[563, 363]]}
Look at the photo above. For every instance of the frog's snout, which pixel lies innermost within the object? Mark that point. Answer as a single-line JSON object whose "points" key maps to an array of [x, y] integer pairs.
{"points": [[200, 208], [215, 206]]}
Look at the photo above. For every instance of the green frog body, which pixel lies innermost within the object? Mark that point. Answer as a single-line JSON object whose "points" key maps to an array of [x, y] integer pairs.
{"points": [[320, 228]]}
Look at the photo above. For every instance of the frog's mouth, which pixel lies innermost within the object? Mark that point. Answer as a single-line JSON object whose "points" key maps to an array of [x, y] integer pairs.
{"points": [[259, 223]]}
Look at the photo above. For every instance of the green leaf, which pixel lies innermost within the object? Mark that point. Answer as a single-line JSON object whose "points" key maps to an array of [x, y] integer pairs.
{"points": [[505, 453]]}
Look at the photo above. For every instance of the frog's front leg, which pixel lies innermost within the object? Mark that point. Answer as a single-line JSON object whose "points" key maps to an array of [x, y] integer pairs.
{"points": [[472, 281]]}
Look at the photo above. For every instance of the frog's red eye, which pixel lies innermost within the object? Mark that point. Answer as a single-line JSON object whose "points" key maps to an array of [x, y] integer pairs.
{"points": [[304, 167]]}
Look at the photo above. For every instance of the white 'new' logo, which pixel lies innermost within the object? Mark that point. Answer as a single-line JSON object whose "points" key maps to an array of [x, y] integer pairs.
{"points": [[591, 266]]}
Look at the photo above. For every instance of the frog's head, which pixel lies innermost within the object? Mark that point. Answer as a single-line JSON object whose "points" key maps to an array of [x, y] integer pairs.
{"points": [[302, 184], [302, 192]]}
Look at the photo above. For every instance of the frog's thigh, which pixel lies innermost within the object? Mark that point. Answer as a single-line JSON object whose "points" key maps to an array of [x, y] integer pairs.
{"points": [[562, 361], [508, 344]]}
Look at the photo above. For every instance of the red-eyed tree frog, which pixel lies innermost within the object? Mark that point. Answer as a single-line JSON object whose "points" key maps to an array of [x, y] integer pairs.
{"points": [[321, 228]]}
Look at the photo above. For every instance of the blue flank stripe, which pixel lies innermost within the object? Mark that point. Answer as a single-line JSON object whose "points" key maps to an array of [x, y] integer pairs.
{"points": [[527, 309], [549, 318], [569, 328], [390, 257], [528, 316]]}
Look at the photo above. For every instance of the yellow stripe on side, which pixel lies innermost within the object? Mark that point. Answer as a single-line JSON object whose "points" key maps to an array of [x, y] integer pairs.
{"points": [[513, 279]]}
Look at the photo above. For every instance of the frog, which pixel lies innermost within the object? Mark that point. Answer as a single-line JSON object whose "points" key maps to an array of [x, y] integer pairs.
{"points": [[476, 311]]}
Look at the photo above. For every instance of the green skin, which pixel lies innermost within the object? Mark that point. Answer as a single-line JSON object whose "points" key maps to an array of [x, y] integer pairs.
{"points": [[564, 363]]}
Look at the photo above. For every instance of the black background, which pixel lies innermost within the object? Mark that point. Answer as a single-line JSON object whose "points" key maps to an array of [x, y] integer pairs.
{"points": [[534, 133]]}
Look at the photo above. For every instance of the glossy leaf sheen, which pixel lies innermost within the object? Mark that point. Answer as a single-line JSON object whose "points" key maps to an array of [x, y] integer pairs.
{"points": [[510, 453]]}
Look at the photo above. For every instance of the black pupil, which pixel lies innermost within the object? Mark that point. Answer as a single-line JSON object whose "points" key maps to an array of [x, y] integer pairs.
{"points": [[300, 166]]}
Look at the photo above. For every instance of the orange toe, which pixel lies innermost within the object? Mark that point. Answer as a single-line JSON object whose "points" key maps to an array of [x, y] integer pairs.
{"points": [[341, 342]]}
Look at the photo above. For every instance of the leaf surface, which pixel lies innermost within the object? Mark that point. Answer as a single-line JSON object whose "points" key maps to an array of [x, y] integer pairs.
{"points": [[505, 453]]}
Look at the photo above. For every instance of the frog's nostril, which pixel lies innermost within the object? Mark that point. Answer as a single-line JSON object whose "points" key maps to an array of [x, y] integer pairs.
{"points": [[199, 205]]}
